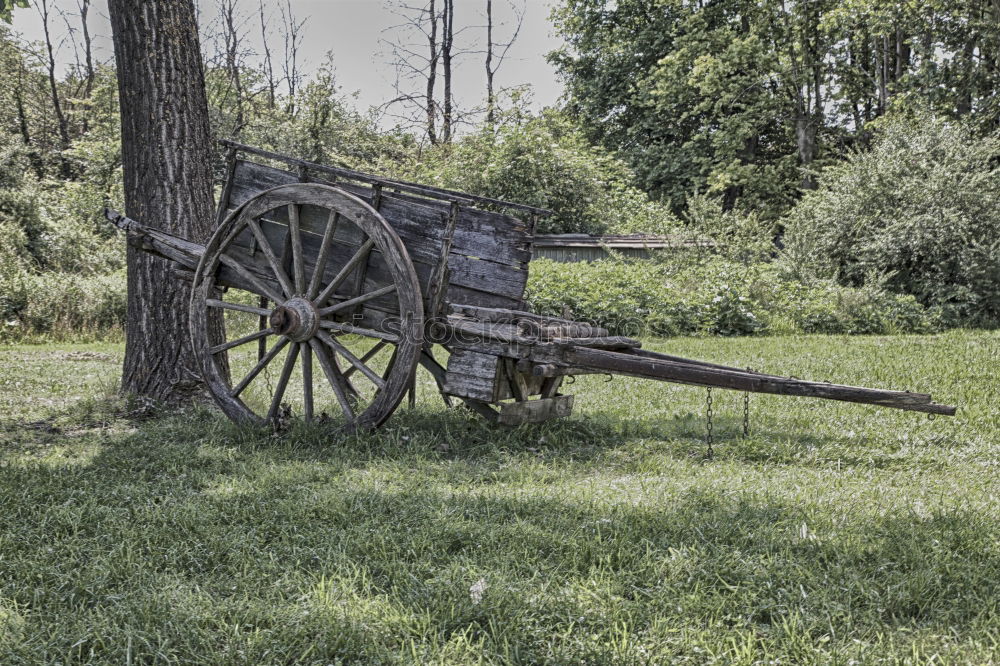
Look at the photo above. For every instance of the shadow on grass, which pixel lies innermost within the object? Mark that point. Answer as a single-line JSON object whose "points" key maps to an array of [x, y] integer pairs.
{"points": [[198, 540]]}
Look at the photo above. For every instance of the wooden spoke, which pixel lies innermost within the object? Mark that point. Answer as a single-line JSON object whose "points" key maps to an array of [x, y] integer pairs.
{"points": [[241, 341], [324, 254], [362, 253], [278, 346], [216, 303], [332, 376], [369, 355], [358, 330], [298, 267], [272, 258], [307, 381], [262, 289], [357, 300], [286, 374], [351, 358]]}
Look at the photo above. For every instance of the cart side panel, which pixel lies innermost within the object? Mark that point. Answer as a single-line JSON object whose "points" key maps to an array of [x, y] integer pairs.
{"points": [[489, 255]]}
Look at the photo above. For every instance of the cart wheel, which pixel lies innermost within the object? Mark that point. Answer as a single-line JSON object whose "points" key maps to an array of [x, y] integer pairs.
{"points": [[315, 273]]}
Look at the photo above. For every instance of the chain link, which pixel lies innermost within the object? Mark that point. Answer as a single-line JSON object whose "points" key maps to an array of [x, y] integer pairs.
{"points": [[746, 411], [709, 440]]}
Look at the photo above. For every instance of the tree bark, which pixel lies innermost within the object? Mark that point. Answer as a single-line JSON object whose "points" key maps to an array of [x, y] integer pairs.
{"points": [[447, 40], [43, 10], [430, 105], [88, 50], [268, 65], [168, 183], [490, 96]]}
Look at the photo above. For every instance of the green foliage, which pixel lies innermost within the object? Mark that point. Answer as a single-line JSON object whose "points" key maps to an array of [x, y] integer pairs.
{"points": [[546, 162], [743, 237], [320, 124], [7, 7], [717, 296], [61, 306], [747, 100], [21, 223], [920, 212]]}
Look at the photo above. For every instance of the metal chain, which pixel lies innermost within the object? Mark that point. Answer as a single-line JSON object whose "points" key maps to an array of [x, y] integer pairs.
{"points": [[746, 411], [709, 453]]}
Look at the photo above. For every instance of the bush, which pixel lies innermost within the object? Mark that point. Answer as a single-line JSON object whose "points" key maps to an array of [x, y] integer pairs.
{"points": [[546, 162], [920, 213], [61, 306], [715, 296]]}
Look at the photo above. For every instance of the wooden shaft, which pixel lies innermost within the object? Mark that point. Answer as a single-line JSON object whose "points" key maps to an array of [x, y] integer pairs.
{"points": [[741, 380]]}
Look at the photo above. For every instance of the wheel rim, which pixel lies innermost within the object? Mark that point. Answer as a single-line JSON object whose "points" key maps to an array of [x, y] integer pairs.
{"points": [[308, 275]]}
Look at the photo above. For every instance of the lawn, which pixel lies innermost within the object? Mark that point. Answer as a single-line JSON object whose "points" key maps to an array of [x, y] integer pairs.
{"points": [[835, 532]]}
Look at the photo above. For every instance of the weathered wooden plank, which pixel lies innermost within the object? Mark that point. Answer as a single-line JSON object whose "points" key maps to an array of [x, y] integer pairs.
{"points": [[469, 386], [474, 330], [472, 363], [511, 316], [740, 380], [488, 276], [472, 375], [491, 284], [480, 297], [535, 411]]}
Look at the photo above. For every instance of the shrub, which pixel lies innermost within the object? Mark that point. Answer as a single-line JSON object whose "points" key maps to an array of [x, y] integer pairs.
{"points": [[920, 210], [61, 306], [546, 162], [716, 296]]}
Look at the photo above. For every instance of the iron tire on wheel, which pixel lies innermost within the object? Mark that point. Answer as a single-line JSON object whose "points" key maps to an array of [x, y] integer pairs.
{"points": [[302, 310]]}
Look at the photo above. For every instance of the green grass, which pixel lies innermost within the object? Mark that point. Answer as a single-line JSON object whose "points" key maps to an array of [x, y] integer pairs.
{"points": [[834, 533]]}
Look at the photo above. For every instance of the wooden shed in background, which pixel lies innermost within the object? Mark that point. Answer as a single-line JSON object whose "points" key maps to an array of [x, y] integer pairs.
{"points": [[581, 247]]}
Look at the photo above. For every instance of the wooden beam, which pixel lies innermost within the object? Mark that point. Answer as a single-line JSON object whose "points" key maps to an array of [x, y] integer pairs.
{"points": [[740, 380]]}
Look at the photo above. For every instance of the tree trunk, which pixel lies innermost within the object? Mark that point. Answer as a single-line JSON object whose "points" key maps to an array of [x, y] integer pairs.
{"points": [[64, 141], [268, 65], [490, 96], [168, 183], [88, 50], [447, 39], [805, 140], [431, 107]]}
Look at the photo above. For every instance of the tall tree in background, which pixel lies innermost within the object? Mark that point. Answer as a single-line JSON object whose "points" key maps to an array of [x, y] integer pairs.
{"points": [[168, 182], [496, 53], [57, 107], [291, 32], [422, 46], [746, 100], [447, 46]]}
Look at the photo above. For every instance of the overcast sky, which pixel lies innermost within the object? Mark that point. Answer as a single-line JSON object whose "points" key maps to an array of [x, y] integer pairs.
{"points": [[353, 31]]}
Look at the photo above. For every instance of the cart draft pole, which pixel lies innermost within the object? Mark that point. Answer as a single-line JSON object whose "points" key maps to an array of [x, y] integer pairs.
{"points": [[166, 157]]}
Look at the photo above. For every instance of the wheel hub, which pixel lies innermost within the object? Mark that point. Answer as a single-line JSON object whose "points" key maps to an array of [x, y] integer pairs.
{"points": [[296, 319]]}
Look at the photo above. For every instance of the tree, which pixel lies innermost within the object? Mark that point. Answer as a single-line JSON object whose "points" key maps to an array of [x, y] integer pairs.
{"points": [[496, 53], [57, 108], [918, 212], [168, 182], [424, 45], [748, 100]]}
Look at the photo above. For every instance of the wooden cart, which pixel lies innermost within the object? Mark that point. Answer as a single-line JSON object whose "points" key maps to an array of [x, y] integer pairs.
{"points": [[364, 276]]}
